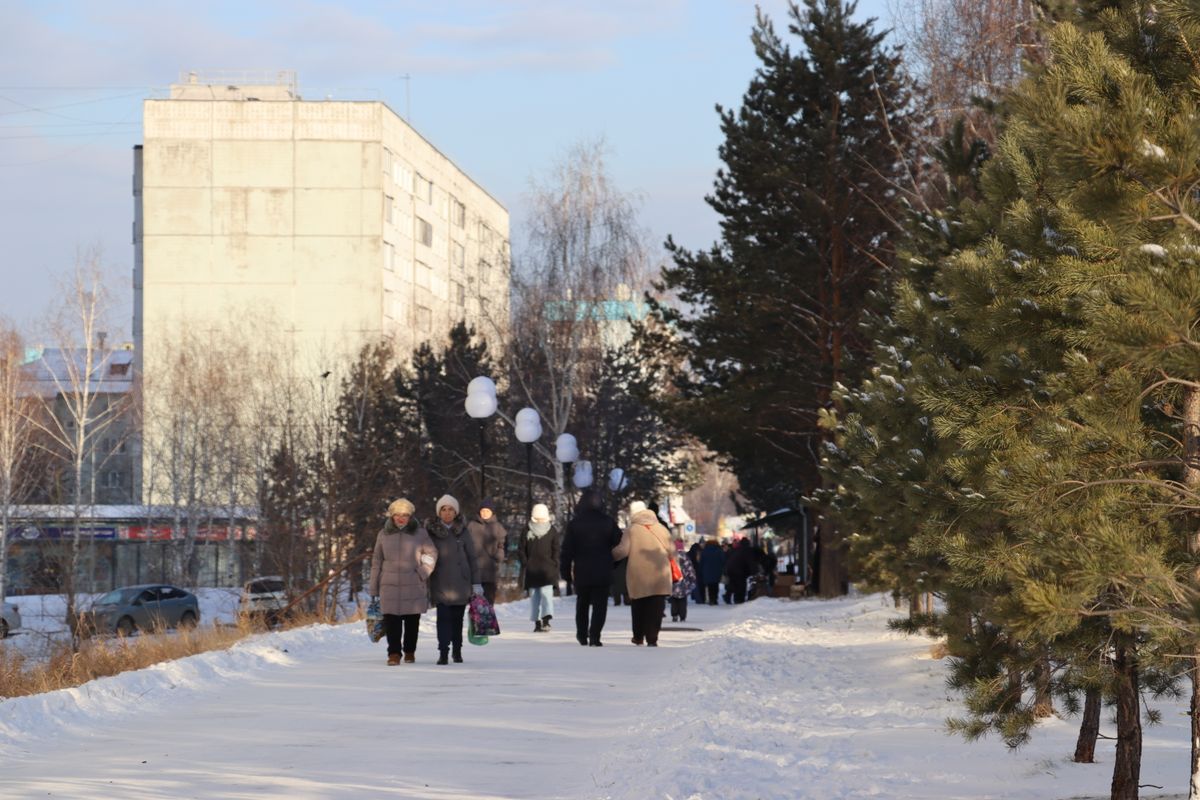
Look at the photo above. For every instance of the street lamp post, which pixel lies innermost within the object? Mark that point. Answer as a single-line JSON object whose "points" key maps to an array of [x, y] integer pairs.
{"points": [[481, 404], [566, 451], [529, 430]]}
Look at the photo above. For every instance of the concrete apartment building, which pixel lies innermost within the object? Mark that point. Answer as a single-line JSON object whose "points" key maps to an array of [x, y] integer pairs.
{"points": [[335, 220]]}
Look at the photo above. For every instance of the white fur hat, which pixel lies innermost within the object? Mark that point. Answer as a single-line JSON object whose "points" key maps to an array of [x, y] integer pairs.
{"points": [[636, 506], [447, 500], [540, 513]]}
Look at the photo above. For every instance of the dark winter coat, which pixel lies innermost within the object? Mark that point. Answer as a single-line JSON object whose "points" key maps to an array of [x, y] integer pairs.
{"points": [[457, 568], [587, 548], [489, 539], [540, 556], [401, 565], [712, 563], [742, 562]]}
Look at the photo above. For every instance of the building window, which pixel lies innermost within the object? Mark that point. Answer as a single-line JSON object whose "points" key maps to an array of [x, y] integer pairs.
{"points": [[389, 209], [389, 256], [458, 213], [402, 176], [458, 293], [424, 232], [387, 162], [114, 479], [424, 188], [423, 274], [424, 319], [485, 269], [458, 255]]}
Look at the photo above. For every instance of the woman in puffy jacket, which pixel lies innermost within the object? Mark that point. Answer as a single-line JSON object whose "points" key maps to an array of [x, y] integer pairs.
{"points": [[648, 546], [540, 554], [403, 560]]}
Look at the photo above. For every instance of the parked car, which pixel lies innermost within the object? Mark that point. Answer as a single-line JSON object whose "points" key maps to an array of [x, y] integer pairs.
{"points": [[264, 598], [141, 608], [10, 619]]}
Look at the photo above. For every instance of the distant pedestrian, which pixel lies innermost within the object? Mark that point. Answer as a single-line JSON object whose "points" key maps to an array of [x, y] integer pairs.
{"points": [[712, 566], [681, 588], [455, 578], [741, 565], [694, 557], [540, 552], [489, 538], [648, 546], [403, 560], [586, 558]]}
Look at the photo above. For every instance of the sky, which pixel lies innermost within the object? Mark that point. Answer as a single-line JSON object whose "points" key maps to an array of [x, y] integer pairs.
{"points": [[503, 87]]}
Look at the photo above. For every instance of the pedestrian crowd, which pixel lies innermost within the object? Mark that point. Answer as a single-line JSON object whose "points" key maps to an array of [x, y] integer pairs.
{"points": [[447, 561]]}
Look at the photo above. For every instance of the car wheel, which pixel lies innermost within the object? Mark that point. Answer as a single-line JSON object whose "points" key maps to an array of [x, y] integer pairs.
{"points": [[126, 626], [188, 620], [3, 629]]}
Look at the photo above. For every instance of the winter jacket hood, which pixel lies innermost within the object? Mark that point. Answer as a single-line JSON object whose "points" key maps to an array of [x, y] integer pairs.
{"points": [[410, 527]]}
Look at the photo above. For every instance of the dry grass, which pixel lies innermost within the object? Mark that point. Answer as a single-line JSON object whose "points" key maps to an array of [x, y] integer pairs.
{"points": [[939, 650], [102, 657]]}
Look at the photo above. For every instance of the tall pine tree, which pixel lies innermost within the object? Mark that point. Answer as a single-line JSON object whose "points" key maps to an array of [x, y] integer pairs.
{"points": [[768, 318]]}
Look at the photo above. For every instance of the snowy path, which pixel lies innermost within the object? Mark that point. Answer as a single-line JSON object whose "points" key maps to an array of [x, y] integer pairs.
{"points": [[771, 700]]}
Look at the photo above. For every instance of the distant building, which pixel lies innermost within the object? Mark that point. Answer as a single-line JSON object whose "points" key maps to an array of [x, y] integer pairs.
{"points": [[334, 221], [110, 463]]}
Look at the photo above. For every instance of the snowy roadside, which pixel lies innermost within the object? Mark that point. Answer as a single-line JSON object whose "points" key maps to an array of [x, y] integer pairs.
{"points": [[771, 700]]}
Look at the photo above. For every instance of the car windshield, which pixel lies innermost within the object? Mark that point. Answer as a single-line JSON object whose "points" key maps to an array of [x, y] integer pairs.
{"points": [[265, 585], [117, 597]]}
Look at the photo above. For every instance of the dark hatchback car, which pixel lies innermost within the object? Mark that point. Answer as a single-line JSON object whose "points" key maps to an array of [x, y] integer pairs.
{"points": [[146, 607]]}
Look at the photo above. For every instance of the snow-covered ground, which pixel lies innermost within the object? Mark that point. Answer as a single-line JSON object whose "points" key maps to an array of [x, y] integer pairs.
{"points": [[772, 699]]}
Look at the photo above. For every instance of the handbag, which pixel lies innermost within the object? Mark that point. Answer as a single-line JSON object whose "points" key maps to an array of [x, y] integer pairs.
{"points": [[676, 572]]}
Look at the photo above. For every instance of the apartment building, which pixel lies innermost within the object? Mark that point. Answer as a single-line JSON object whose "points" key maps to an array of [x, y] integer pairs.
{"points": [[334, 220]]}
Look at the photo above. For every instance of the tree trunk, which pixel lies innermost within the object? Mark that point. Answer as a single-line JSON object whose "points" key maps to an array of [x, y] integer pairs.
{"points": [[1191, 478], [1089, 728], [1043, 703], [1127, 767]]}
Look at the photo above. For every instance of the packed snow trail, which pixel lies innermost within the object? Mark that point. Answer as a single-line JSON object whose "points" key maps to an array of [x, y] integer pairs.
{"points": [[770, 700]]}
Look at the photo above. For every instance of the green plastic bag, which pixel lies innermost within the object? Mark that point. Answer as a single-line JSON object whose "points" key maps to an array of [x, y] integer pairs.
{"points": [[473, 637]]}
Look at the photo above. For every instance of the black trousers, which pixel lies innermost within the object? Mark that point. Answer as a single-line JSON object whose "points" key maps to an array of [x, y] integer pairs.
{"points": [[450, 626], [737, 589], [646, 614], [401, 630], [489, 592], [679, 607], [710, 590], [595, 600]]}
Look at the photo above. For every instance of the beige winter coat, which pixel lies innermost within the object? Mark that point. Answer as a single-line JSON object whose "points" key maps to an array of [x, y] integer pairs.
{"points": [[648, 546], [400, 568]]}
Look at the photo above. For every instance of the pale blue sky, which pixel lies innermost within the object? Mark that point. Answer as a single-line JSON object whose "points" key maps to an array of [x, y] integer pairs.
{"points": [[503, 87]]}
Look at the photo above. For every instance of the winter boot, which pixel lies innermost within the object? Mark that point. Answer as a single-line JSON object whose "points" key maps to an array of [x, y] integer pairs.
{"points": [[393, 659], [410, 656], [442, 660], [537, 626], [456, 656], [546, 622]]}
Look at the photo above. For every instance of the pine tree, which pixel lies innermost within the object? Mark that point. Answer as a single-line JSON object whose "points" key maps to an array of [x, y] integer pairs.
{"points": [[807, 200]]}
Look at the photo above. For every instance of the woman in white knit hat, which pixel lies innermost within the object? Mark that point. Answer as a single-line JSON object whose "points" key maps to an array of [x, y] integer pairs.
{"points": [[403, 560], [454, 580], [539, 554]]}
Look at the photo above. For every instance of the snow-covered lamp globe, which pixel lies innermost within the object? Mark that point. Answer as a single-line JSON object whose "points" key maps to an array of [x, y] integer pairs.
{"points": [[583, 474], [616, 479], [565, 449], [481, 398], [528, 426]]}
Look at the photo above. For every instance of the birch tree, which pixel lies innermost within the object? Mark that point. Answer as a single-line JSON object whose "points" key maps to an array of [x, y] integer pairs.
{"points": [[17, 406]]}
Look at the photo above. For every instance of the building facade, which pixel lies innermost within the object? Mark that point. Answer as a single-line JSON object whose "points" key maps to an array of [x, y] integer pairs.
{"points": [[334, 219]]}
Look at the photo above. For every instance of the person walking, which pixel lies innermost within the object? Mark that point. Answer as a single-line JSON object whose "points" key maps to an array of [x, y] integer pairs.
{"points": [[489, 538], [712, 566], [681, 588], [403, 560], [539, 554], [648, 546], [586, 558], [739, 567], [454, 579], [694, 557]]}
